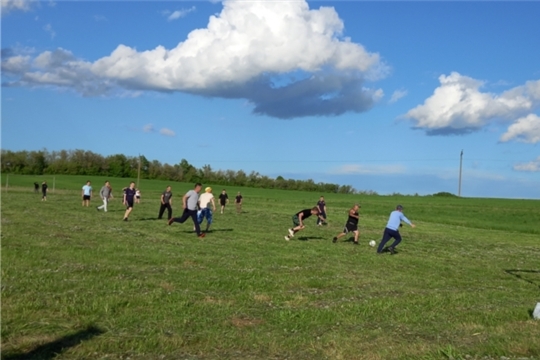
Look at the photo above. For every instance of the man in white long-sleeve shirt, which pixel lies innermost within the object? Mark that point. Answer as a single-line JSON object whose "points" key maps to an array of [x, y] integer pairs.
{"points": [[391, 230]]}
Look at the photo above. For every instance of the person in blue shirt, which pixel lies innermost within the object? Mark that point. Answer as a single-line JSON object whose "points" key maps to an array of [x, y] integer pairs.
{"points": [[391, 230]]}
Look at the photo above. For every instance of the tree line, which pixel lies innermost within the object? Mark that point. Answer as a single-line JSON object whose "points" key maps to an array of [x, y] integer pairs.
{"points": [[83, 162]]}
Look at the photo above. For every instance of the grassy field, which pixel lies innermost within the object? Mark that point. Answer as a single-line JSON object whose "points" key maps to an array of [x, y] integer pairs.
{"points": [[82, 284]]}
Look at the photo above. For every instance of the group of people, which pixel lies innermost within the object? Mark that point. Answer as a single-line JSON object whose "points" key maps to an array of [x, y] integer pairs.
{"points": [[201, 207], [391, 230]]}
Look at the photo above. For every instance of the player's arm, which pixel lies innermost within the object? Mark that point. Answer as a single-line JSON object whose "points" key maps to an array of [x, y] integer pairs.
{"points": [[353, 214], [213, 203], [162, 197], [404, 218], [300, 217], [184, 200]]}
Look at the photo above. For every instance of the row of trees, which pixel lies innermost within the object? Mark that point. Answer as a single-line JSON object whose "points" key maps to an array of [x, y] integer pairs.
{"points": [[81, 162]]}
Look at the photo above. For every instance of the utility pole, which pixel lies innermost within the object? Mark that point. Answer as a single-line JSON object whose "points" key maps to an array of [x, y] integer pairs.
{"points": [[139, 171], [460, 166]]}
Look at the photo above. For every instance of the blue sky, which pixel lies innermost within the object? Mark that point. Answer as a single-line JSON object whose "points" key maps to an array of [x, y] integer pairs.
{"points": [[382, 96]]}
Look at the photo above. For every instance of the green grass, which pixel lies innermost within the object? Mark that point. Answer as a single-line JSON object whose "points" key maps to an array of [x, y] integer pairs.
{"points": [[86, 285]]}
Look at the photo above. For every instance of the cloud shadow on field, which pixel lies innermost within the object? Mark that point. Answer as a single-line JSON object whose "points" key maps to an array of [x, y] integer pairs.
{"points": [[52, 349], [519, 274]]}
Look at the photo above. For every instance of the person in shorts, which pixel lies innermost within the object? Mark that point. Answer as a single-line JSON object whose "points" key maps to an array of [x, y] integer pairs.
{"points": [[351, 225], [166, 203], [298, 221], [86, 194], [223, 200], [238, 202], [129, 199], [205, 200], [137, 196]]}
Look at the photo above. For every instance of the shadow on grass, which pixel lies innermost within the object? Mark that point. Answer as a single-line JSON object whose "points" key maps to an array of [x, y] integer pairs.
{"points": [[54, 348], [209, 231], [305, 238], [517, 274], [152, 218]]}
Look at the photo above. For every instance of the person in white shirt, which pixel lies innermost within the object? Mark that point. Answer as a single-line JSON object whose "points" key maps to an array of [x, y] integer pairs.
{"points": [[205, 200]]}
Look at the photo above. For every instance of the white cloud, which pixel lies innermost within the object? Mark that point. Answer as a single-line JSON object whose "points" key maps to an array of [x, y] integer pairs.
{"points": [[48, 28], [525, 129], [533, 166], [242, 53], [398, 94], [8, 5], [167, 132], [148, 128], [368, 169], [178, 13], [99, 18], [458, 105]]}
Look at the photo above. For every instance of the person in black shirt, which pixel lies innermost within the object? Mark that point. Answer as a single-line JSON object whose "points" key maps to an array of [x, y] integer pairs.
{"points": [[351, 225], [223, 199], [36, 187], [321, 204], [298, 221], [129, 196], [238, 202], [44, 188], [166, 202]]}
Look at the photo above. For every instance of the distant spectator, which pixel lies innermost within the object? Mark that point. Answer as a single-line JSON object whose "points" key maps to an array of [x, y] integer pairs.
{"points": [[36, 187], [166, 203], [238, 202], [223, 200], [86, 194], [321, 205], [44, 188], [105, 193], [137, 196]]}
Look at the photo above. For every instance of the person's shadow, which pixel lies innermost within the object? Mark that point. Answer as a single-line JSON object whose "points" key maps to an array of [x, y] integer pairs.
{"points": [[305, 238], [52, 349]]}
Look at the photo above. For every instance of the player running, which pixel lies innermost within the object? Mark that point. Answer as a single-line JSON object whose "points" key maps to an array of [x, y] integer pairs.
{"points": [[351, 225], [298, 221]]}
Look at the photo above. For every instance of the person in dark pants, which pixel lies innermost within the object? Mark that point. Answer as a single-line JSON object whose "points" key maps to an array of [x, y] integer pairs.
{"points": [[44, 188], [351, 225], [189, 203], [238, 202], [391, 230], [166, 203], [321, 204], [36, 187]]}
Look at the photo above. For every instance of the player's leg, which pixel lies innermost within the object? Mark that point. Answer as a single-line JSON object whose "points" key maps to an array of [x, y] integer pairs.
{"points": [[386, 237]]}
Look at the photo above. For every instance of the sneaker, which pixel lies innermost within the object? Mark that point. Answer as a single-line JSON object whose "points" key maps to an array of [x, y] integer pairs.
{"points": [[355, 242], [125, 219], [334, 240], [291, 232], [171, 220], [287, 238], [97, 208], [202, 235], [392, 251]]}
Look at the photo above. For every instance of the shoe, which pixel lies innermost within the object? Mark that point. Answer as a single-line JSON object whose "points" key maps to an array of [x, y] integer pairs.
{"points": [[291, 233], [334, 240], [202, 235], [171, 220], [125, 219], [355, 242], [392, 251], [287, 238], [97, 208]]}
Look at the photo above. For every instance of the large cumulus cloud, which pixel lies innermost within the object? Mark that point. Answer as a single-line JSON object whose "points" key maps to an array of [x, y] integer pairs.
{"points": [[251, 50], [459, 106]]}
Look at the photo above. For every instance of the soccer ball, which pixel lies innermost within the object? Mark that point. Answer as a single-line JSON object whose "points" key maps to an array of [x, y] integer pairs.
{"points": [[372, 243]]}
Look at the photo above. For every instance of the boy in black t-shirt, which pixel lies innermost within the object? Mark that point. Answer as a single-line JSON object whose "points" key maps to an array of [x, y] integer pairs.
{"points": [[223, 200], [351, 225], [298, 220]]}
